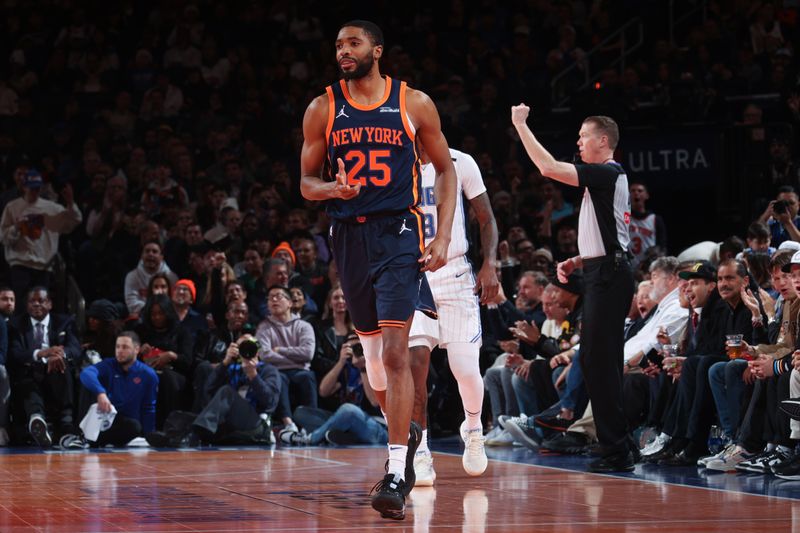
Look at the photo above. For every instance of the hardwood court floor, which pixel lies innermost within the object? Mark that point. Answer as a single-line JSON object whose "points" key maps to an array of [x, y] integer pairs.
{"points": [[325, 489]]}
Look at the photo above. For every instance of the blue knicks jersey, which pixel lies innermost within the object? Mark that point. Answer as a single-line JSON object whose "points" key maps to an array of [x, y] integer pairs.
{"points": [[376, 143]]}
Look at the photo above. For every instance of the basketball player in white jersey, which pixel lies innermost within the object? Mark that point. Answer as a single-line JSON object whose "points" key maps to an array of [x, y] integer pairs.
{"points": [[457, 292]]}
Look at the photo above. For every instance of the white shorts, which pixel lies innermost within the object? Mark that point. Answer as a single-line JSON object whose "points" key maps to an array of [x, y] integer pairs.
{"points": [[456, 305]]}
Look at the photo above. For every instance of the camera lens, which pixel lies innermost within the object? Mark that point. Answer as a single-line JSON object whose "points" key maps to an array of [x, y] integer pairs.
{"points": [[358, 350], [248, 349]]}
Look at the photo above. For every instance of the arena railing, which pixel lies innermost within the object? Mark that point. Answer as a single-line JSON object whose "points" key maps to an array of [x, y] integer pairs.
{"points": [[630, 37]]}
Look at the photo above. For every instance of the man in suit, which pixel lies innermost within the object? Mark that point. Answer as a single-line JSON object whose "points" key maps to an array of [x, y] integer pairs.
{"points": [[44, 351], [7, 301]]}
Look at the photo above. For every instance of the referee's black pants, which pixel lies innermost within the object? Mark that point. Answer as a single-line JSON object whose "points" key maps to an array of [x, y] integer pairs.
{"points": [[608, 290]]}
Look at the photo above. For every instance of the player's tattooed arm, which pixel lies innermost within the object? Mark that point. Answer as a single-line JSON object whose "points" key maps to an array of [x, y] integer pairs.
{"points": [[486, 283]]}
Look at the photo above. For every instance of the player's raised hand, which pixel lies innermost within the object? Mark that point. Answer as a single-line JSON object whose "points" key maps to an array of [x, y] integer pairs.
{"points": [[519, 114], [434, 256], [342, 189]]}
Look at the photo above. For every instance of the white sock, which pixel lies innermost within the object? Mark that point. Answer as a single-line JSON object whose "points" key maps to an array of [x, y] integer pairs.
{"points": [[463, 360], [423, 445], [397, 459]]}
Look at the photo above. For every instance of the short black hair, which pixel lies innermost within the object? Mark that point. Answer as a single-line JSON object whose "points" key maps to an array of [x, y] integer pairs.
{"points": [[786, 188], [732, 245], [38, 288], [281, 288], [233, 282], [741, 268], [370, 28], [165, 304], [758, 230], [132, 335], [153, 241]]}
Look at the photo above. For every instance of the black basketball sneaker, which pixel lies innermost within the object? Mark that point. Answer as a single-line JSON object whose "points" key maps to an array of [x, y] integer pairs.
{"points": [[389, 497]]}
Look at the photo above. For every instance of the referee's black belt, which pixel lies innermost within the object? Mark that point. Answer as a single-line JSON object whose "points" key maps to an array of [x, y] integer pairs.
{"points": [[372, 216], [619, 257]]}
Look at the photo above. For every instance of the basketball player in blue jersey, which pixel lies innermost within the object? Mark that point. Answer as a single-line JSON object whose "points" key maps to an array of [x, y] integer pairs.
{"points": [[366, 126], [458, 328]]}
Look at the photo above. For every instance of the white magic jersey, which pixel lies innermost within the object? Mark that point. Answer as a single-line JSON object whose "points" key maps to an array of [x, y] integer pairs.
{"points": [[470, 183], [452, 285]]}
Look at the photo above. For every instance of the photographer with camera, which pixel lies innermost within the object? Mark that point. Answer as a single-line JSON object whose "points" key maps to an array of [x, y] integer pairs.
{"points": [[781, 216], [242, 389], [353, 421]]}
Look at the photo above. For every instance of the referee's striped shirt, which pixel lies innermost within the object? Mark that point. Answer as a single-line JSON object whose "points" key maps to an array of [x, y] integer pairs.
{"points": [[605, 210]]}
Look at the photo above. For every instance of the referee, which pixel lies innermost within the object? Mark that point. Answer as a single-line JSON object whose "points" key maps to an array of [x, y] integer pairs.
{"points": [[608, 280]]}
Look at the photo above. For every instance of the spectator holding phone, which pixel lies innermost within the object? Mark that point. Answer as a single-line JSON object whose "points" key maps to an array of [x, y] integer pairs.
{"points": [[30, 227]]}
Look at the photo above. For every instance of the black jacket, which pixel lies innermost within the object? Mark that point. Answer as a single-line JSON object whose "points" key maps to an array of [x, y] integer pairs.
{"points": [[61, 332], [212, 345], [718, 320], [175, 340], [327, 350]]}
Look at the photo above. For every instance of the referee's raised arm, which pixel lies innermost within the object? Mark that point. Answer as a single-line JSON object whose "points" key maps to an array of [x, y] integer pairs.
{"points": [[544, 161]]}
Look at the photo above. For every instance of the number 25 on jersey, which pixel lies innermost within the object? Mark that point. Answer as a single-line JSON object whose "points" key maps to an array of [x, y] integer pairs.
{"points": [[377, 171]]}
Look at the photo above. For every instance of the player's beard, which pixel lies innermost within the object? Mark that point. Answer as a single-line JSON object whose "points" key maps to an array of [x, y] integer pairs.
{"points": [[361, 70]]}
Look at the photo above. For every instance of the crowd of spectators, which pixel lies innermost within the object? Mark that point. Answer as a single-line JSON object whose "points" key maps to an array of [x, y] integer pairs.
{"points": [[154, 149]]}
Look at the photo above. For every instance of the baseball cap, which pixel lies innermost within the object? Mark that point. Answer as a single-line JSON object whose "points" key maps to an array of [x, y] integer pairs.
{"points": [[795, 261], [789, 245], [700, 270], [33, 180]]}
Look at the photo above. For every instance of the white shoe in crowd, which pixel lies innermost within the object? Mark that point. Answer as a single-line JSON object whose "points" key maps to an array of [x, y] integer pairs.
{"points": [[728, 462], [656, 445], [71, 441], [726, 450], [37, 427], [503, 419], [501, 438], [474, 459], [423, 468]]}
